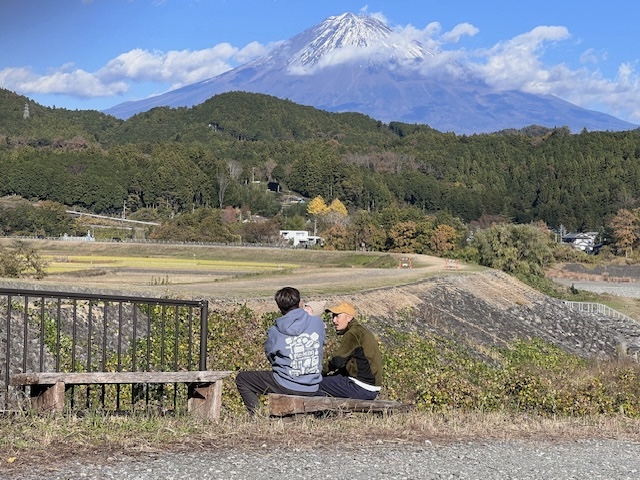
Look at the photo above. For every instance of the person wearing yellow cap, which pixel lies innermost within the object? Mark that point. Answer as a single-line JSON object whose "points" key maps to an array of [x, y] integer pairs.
{"points": [[355, 368]]}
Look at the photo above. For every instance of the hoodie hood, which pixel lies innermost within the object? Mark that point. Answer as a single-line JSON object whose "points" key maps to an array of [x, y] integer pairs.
{"points": [[294, 322]]}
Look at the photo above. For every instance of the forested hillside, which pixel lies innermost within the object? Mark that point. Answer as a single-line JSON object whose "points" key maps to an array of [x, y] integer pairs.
{"points": [[214, 155]]}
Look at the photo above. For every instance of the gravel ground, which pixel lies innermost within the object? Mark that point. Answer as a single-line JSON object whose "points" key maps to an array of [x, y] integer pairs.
{"points": [[592, 459]]}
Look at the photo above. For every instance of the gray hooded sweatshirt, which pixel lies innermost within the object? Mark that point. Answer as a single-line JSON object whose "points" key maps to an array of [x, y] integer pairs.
{"points": [[294, 348]]}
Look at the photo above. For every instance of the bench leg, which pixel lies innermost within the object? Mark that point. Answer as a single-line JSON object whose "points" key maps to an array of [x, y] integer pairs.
{"points": [[205, 400], [48, 398]]}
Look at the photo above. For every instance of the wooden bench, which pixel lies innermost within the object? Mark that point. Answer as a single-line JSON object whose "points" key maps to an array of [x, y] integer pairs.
{"points": [[284, 405], [204, 387]]}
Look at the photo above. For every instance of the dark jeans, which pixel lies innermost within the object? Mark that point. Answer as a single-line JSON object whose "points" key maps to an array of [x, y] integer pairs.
{"points": [[253, 383], [343, 387]]}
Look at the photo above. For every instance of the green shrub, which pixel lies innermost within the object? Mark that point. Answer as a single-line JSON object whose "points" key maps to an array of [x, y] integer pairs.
{"points": [[437, 374]]}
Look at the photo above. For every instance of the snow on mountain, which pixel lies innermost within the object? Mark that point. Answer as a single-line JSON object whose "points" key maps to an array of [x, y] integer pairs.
{"points": [[357, 63], [342, 38]]}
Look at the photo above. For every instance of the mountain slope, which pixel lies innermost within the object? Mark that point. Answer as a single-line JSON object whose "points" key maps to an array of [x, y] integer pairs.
{"points": [[21, 116], [352, 63]]}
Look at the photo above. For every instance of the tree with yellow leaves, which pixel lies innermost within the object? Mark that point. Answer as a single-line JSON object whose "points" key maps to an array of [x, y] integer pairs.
{"points": [[338, 207], [317, 208], [337, 213]]}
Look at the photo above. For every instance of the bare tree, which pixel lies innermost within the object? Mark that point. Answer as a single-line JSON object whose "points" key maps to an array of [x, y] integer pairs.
{"points": [[269, 166], [235, 169], [225, 175]]}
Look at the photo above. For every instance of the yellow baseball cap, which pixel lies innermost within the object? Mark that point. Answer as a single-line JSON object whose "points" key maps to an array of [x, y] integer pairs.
{"points": [[343, 308]]}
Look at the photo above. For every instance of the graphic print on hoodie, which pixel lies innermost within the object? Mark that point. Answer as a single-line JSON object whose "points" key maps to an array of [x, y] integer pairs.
{"points": [[304, 354]]}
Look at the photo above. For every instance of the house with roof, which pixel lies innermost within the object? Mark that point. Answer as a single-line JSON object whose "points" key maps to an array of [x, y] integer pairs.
{"points": [[585, 241], [300, 238]]}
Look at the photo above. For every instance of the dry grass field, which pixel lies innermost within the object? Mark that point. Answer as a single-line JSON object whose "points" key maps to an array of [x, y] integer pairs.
{"points": [[223, 272]]}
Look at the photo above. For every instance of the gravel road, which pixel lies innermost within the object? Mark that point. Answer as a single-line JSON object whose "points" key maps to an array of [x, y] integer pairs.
{"points": [[591, 459]]}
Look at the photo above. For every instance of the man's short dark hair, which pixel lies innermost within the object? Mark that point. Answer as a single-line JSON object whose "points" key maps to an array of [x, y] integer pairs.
{"points": [[287, 298]]}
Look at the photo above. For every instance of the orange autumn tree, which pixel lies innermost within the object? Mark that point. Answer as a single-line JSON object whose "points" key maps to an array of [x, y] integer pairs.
{"points": [[443, 239], [624, 229]]}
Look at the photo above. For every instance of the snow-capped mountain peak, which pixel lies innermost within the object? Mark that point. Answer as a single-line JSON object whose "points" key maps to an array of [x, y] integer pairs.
{"points": [[357, 63], [341, 39]]}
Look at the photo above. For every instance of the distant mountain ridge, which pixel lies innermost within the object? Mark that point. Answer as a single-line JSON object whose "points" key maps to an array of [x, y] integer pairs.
{"points": [[354, 63]]}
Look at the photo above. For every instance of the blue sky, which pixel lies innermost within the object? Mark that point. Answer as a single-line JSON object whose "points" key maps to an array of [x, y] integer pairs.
{"points": [[94, 54]]}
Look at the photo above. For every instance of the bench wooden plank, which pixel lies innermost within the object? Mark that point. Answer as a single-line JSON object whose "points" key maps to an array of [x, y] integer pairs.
{"points": [[282, 405], [204, 398], [88, 378]]}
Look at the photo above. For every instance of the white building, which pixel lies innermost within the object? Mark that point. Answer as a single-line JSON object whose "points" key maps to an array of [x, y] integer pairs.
{"points": [[582, 241], [87, 238], [300, 238]]}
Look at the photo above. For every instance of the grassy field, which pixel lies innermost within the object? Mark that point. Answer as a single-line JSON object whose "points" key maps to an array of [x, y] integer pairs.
{"points": [[224, 271], [207, 271], [212, 253], [81, 263]]}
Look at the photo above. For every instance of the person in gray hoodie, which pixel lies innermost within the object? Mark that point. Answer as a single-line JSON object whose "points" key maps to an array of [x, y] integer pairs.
{"points": [[294, 348]]}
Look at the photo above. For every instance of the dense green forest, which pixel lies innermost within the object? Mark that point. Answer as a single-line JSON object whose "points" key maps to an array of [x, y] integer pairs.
{"points": [[221, 154]]}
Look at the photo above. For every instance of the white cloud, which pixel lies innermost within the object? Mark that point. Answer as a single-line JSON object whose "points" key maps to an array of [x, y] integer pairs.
{"points": [[591, 55], [173, 69], [519, 64], [618, 96], [177, 67], [516, 64], [77, 83], [251, 51], [460, 30], [377, 15], [428, 36]]}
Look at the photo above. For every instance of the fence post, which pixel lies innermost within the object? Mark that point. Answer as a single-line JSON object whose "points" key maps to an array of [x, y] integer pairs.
{"points": [[7, 354], [204, 328]]}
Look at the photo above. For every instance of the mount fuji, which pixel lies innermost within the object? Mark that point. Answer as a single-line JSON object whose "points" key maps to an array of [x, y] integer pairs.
{"points": [[354, 63]]}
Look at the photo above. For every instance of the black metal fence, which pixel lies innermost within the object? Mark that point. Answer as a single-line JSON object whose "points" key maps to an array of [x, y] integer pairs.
{"points": [[46, 331]]}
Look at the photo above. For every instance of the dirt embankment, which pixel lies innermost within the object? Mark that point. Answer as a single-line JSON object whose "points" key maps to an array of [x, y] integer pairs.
{"points": [[489, 308]]}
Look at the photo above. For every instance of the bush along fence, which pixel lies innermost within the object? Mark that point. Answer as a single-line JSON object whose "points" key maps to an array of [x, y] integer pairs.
{"points": [[45, 331]]}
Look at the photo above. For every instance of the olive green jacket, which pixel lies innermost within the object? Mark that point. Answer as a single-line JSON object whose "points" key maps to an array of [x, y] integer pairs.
{"points": [[358, 356]]}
